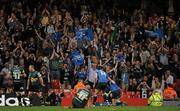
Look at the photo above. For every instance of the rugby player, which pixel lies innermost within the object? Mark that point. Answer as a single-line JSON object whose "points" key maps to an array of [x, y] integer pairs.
{"points": [[82, 98]]}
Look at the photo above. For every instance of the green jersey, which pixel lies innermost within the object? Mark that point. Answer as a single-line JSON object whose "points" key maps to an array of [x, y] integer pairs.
{"points": [[16, 73], [81, 98], [34, 77], [55, 64]]}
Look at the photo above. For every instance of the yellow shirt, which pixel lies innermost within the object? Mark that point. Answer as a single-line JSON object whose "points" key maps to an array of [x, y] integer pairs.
{"points": [[45, 21]]}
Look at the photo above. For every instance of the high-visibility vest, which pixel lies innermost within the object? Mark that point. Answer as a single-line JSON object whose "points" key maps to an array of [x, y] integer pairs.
{"points": [[155, 99], [170, 93]]}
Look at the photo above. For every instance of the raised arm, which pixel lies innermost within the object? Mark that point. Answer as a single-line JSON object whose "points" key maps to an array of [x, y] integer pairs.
{"points": [[52, 55], [28, 83], [38, 36], [106, 61], [89, 63]]}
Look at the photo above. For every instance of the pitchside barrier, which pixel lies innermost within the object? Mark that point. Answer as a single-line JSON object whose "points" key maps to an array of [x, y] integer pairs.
{"points": [[170, 102], [130, 98], [66, 101], [12, 100]]}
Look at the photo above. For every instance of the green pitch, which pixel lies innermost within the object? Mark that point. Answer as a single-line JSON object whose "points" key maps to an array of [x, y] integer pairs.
{"points": [[124, 108]]}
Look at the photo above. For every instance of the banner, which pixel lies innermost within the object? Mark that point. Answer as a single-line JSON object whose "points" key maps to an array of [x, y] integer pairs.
{"points": [[120, 57], [57, 36], [85, 33], [114, 35], [12, 100], [77, 58], [157, 33]]}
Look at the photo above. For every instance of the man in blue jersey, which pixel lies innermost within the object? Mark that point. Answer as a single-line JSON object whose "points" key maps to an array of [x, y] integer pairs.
{"points": [[112, 92], [102, 80], [101, 83]]}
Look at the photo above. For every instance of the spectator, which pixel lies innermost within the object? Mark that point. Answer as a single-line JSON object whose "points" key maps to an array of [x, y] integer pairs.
{"points": [[92, 74], [132, 85], [67, 76], [144, 88], [48, 45], [45, 16], [46, 77], [131, 49], [163, 55], [6, 69], [54, 65], [7, 83], [169, 78], [81, 75], [157, 86]]}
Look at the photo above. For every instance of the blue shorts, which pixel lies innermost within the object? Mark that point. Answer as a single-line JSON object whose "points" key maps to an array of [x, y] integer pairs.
{"points": [[116, 94]]}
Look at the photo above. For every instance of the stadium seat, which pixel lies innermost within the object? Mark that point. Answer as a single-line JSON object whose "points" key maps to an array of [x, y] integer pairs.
{"points": [[57, 91], [67, 99], [100, 99], [124, 95], [177, 87], [137, 95], [131, 94], [55, 84]]}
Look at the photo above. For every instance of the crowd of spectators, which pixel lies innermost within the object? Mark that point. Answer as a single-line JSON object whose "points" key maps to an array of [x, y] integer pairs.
{"points": [[120, 45]]}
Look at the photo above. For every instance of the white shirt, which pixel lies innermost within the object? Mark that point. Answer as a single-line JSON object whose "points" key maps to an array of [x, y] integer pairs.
{"points": [[164, 59], [92, 74], [5, 70], [170, 79], [145, 55], [50, 29]]}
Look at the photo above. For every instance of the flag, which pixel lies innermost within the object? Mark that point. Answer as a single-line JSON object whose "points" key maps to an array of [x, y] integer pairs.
{"points": [[160, 32], [120, 57], [57, 36], [84, 33], [157, 33], [113, 35], [89, 34], [150, 33], [77, 58]]}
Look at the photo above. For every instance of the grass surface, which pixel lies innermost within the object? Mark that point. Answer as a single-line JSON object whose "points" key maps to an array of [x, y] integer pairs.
{"points": [[124, 108]]}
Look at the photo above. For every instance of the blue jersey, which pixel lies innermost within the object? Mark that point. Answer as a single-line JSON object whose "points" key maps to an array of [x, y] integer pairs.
{"points": [[102, 76], [77, 58], [113, 87], [81, 76]]}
